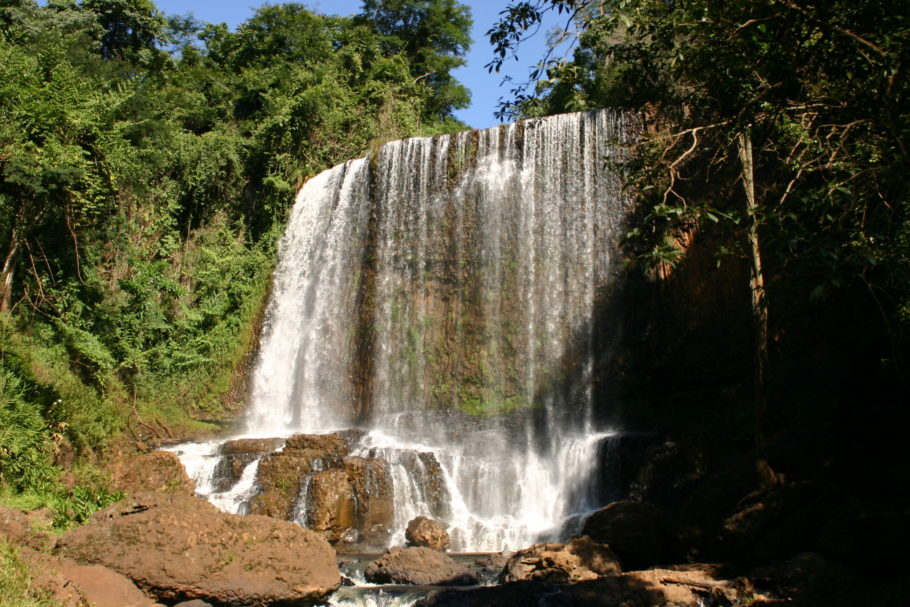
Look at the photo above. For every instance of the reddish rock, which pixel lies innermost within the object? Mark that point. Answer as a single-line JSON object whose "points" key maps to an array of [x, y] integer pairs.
{"points": [[177, 547], [373, 494], [155, 471], [428, 533], [580, 559], [76, 585], [237, 455], [17, 529], [327, 444], [331, 505], [419, 566], [281, 475]]}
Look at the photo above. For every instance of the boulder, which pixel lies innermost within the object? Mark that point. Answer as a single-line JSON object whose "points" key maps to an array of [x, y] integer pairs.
{"points": [[281, 475], [75, 585], [331, 505], [633, 530], [580, 559], [154, 471], [671, 588], [237, 454], [178, 548], [24, 529], [428, 533], [419, 566], [337, 444]]}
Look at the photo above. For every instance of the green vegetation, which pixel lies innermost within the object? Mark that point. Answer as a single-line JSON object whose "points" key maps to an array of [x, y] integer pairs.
{"points": [[16, 582], [147, 165]]}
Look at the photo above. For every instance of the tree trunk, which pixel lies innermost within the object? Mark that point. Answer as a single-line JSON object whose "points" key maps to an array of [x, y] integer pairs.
{"points": [[766, 475], [6, 275]]}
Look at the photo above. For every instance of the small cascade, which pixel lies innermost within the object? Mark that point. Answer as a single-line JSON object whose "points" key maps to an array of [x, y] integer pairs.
{"points": [[445, 298]]}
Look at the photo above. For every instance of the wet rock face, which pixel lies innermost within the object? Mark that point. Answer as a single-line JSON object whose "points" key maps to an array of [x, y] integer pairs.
{"points": [[373, 494], [282, 474], [428, 533], [331, 504], [178, 548], [579, 560], [237, 455], [347, 498], [419, 566]]}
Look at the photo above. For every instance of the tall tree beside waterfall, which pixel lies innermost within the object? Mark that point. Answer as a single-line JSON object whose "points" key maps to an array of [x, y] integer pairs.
{"points": [[434, 35], [802, 105]]}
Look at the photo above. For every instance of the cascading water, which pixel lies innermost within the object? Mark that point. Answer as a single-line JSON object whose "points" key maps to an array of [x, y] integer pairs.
{"points": [[442, 297]]}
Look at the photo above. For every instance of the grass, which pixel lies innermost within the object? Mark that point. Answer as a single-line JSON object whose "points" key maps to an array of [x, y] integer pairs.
{"points": [[16, 581]]}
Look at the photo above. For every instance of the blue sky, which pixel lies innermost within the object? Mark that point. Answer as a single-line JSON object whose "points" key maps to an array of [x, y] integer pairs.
{"points": [[485, 88]]}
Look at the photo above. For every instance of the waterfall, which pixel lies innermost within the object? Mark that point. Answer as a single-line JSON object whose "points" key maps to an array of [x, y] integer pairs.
{"points": [[442, 298]]}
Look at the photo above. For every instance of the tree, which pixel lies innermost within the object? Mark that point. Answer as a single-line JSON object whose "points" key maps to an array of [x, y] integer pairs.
{"points": [[802, 102], [434, 35], [130, 26]]}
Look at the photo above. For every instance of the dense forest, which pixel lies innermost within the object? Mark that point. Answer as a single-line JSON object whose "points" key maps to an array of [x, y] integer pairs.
{"points": [[148, 164]]}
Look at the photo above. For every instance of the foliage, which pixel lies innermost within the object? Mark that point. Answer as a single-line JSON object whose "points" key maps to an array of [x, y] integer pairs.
{"points": [[147, 165], [818, 86], [434, 35]]}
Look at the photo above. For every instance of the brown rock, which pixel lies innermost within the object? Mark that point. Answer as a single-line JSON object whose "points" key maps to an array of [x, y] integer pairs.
{"points": [[580, 559], [331, 506], [419, 566], [155, 471], [257, 446], [328, 444], [77, 585], [177, 547], [280, 476], [24, 529], [373, 494], [237, 455], [426, 532]]}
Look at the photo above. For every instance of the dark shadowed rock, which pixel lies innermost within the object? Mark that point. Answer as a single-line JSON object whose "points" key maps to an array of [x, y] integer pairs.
{"points": [[428, 533], [870, 541], [419, 566], [670, 588], [580, 559], [178, 547], [155, 471], [633, 530]]}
